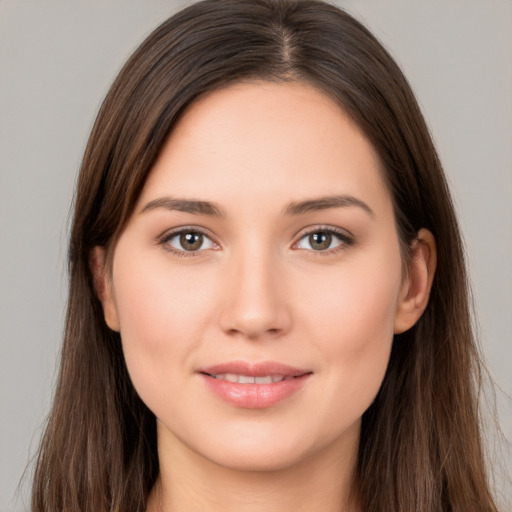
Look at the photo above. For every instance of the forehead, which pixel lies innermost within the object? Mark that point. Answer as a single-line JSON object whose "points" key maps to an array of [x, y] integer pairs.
{"points": [[253, 138]]}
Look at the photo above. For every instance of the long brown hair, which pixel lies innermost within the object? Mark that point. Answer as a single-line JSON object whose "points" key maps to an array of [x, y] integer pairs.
{"points": [[420, 447]]}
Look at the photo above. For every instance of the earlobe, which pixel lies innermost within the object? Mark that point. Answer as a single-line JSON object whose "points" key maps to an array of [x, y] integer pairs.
{"points": [[416, 287], [103, 286]]}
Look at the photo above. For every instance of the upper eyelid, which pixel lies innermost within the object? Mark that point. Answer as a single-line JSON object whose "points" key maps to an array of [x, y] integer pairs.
{"points": [[302, 231], [171, 233], [323, 228]]}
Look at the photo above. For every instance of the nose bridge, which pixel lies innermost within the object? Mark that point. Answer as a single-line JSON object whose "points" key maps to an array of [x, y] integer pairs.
{"points": [[256, 302]]}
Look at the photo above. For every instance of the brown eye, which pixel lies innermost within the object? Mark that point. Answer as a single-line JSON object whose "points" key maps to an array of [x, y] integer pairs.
{"points": [[187, 241], [324, 240], [191, 241], [320, 241]]}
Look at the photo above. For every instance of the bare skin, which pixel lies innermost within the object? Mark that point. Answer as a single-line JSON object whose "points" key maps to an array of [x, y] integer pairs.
{"points": [[264, 236]]}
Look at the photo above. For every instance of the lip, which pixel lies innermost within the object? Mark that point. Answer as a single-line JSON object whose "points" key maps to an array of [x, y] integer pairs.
{"points": [[254, 396]]}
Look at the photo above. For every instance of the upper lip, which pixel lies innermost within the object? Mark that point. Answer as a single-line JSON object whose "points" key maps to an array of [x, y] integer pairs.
{"points": [[254, 369]]}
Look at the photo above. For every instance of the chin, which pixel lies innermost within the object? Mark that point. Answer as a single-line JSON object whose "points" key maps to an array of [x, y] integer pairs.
{"points": [[263, 451], [260, 459]]}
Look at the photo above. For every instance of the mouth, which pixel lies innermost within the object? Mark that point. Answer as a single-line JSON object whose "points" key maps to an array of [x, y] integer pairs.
{"points": [[254, 385], [250, 379]]}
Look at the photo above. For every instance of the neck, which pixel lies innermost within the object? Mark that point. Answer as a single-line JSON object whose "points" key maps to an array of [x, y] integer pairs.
{"points": [[190, 483]]}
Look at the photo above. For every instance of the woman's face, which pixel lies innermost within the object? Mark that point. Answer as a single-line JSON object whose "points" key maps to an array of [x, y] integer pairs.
{"points": [[258, 284]]}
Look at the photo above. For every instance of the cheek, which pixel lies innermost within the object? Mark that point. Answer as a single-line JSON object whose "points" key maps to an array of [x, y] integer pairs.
{"points": [[162, 315], [357, 303], [352, 321]]}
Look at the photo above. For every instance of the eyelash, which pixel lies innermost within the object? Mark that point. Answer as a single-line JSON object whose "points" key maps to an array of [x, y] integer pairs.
{"points": [[345, 238]]}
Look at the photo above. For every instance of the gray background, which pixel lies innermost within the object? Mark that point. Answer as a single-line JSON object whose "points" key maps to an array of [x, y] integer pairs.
{"points": [[57, 58]]}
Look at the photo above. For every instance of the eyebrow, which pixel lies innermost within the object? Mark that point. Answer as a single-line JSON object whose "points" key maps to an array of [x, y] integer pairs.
{"points": [[326, 202], [198, 207], [185, 205]]}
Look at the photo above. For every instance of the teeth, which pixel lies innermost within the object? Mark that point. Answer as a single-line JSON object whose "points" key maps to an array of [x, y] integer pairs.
{"points": [[263, 380], [247, 379]]}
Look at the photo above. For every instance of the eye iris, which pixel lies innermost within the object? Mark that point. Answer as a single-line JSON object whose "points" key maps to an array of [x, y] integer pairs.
{"points": [[191, 241], [320, 240]]}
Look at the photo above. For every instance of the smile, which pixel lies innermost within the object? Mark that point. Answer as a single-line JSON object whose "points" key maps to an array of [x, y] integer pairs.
{"points": [[254, 385], [248, 379]]}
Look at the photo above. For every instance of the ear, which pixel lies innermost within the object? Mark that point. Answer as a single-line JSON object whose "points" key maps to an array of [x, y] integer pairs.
{"points": [[103, 286], [417, 284]]}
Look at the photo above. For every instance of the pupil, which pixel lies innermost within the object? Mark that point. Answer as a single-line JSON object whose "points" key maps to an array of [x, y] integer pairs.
{"points": [[191, 241], [320, 240]]}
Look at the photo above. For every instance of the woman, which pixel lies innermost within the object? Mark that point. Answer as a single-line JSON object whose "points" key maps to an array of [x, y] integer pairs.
{"points": [[268, 304]]}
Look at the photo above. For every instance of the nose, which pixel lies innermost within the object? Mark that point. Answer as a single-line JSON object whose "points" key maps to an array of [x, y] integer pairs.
{"points": [[256, 302]]}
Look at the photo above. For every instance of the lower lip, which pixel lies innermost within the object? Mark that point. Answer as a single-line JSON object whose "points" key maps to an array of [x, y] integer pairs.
{"points": [[255, 396]]}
